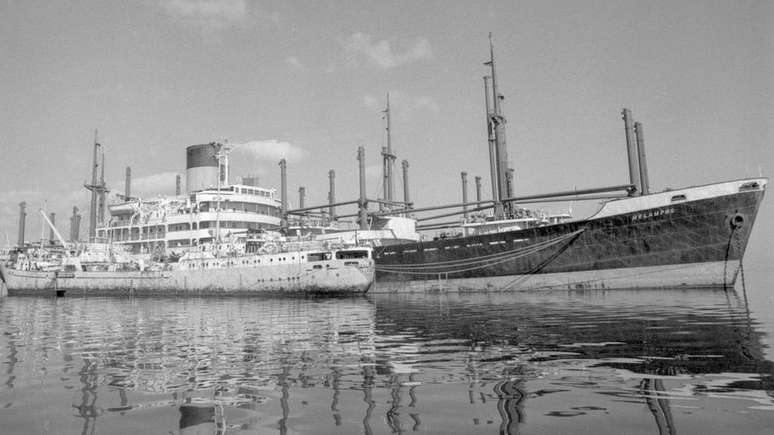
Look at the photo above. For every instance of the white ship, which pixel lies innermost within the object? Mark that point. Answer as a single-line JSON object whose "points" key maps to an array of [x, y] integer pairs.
{"points": [[264, 265], [209, 210]]}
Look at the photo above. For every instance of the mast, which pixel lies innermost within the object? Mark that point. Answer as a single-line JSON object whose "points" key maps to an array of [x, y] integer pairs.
{"points": [[284, 190], [632, 154], [390, 155], [102, 190], [385, 179], [498, 122], [93, 188], [406, 200], [389, 158], [222, 156], [98, 190], [361, 203], [42, 228], [491, 139]]}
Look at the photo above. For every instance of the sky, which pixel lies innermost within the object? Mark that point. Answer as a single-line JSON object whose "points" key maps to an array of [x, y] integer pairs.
{"points": [[307, 81]]}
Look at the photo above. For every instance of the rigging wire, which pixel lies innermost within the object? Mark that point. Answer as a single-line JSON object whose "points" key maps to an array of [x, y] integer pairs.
{"points": [[459, 266]]}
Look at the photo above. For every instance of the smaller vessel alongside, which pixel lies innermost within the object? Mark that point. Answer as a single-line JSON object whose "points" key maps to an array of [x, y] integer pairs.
{"points": [[261, 265]]}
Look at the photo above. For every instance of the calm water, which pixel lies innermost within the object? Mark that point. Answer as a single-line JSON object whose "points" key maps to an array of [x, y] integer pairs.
{"points": [[655, 362]]}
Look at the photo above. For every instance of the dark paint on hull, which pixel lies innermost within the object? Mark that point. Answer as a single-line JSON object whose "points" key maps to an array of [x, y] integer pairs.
{"points": [[698, 231]]}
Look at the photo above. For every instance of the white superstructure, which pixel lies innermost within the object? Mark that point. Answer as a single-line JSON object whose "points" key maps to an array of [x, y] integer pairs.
{"points": [[173, 224]]}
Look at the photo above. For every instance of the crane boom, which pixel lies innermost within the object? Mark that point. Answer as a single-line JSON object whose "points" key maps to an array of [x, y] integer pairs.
{"points": [[56, 232]]}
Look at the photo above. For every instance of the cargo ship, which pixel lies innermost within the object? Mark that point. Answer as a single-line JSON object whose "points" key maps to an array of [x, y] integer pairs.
{"points": [[690, 237]]}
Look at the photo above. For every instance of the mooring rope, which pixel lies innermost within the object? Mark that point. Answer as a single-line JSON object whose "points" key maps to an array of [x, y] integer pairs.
{"points": [[520, 279], [464, 265], [725, 260]]}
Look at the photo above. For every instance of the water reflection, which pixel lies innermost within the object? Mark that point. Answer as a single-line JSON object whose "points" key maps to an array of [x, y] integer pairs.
{"points": [[382, 364], [198, 420], [86, 405], [658, 405]]}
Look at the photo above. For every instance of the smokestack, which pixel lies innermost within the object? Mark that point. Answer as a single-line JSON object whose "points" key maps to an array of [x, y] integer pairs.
{"points": [[362, 200], [177, 185], [491, 139], [332, 193], [406, 200], [77, 234], [639, 132], [464, 176], [284, 187], [478, 189], [51, 235], [631, 150], [128, 183], [22, 221], [75, 222], [301, 196]]}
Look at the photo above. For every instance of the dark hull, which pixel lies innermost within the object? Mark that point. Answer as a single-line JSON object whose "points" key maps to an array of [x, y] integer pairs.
{"points": [[706, 236]]}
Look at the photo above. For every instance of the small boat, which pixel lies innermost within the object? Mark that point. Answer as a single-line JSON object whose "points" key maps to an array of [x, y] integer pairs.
{"points": [[265, 266]]}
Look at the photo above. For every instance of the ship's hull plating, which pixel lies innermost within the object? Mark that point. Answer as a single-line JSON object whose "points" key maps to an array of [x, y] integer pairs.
{"points": [[332, 277], [656, 241]]}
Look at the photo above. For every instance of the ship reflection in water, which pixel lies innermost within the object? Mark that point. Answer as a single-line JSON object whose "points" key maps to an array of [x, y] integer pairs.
{"points": [[590, 362]]}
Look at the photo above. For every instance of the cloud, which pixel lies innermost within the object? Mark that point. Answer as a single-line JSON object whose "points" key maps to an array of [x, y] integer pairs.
{"points": [[155, 184], [402, 104], [207, 13], [359, 46], [270, 149], [294, 63]]}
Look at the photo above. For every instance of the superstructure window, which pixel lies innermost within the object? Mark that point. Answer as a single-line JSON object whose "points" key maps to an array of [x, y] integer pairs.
{"points": [[318, 256], [341, 255]]}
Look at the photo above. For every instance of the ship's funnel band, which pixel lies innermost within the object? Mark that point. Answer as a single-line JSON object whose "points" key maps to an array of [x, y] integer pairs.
{"points": [[201, 167]]}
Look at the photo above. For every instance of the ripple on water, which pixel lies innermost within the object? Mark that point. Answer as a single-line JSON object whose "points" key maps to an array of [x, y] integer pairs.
{"points": [[388, 363]]}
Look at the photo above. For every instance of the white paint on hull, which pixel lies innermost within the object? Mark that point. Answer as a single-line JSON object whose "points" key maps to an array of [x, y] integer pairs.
{"points": [[692, 275], [663, 199], [322, 277]]}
